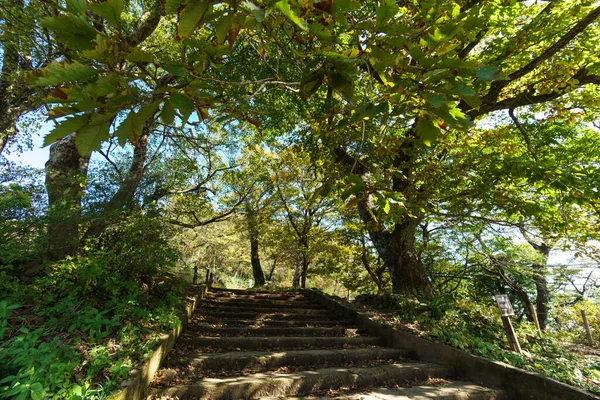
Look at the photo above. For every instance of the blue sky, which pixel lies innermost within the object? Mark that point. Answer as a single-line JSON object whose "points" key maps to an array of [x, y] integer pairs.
{"points": [[38, 155]]}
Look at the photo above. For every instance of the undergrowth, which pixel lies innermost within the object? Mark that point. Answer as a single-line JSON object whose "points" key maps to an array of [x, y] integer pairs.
{"points": [[477, 329], [79, 328]]}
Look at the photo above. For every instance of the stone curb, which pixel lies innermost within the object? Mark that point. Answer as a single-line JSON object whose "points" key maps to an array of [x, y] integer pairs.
{"points": [[520, 384], [136, 386]]}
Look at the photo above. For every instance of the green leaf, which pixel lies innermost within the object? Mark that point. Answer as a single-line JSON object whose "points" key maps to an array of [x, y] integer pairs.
{"points": [[90, 137], [76, 6], [436, 100], [386, 207], [144, 113], [258, 12], [66, 127], [125, 129], [110, 10], [172, 6], [184, 105], [137, 55], [326, 189], [490, 73], [285, 8], [223, 27], [311, 84], [74, 31], [427, 130], [340, 7], [167, 114], [354, 179], [190, 17], [386, 10], [175, 69], [61, 72]]}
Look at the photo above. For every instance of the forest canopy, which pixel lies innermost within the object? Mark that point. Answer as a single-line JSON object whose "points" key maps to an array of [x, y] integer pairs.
{"points": [[434, 149]]}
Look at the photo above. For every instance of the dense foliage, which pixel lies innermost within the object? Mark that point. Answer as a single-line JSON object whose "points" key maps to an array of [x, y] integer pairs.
{"points": [[442, 150]]}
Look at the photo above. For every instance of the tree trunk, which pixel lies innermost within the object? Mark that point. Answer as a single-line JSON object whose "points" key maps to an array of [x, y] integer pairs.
{"points": [[257, 272], [15, 98], [365, 261], [397, 250], [305, 264], [124, 197], [297, 272], [66, 170], [541, 286]]}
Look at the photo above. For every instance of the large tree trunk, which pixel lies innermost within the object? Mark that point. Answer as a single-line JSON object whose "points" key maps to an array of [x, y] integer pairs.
{"points": [[66, 171], [253, 234], [397, 250]]}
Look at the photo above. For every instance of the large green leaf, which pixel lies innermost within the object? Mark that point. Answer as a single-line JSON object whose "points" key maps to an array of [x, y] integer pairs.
{"points": [[428, 131], [125, 130], [190, 17], [72, 30], [259, 13], [110, 10], [145, 112], [66, 127], [167, 114], [284, 7], [61, 72], [223, 27], [90, 137], [184, 105]]}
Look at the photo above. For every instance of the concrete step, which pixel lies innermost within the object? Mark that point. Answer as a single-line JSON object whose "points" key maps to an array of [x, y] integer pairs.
{"points": [[222, 307], [248, 304], [262, 361], [281, 342], [271, 331], [254, 293], [261, 316], [451, 391], [304, 383], [221, 323], [259, 297]]}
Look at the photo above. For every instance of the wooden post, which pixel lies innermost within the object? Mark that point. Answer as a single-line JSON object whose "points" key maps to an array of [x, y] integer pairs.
{"points": [[506, 311], [195, 274], [511, 335], [535, 319], [587, 329]]}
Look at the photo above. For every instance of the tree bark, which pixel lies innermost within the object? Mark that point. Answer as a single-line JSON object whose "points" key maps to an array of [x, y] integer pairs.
{"points": [[297, 272], [396, 248], [541, 286], [66, 171], [124, 197], [253, 235]]}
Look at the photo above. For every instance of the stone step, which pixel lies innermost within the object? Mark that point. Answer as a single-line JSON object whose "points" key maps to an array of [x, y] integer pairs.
{"points": [[220, 323], [269, 361], [262, 302], [451, 391], [261, 316], [280, 342], [250, 305], [272, 296], [254, 293], [304, 383], [202, 307], [271, 331]]}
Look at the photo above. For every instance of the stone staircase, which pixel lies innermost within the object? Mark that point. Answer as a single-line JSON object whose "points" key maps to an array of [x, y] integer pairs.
{"points": [[277, 345]]}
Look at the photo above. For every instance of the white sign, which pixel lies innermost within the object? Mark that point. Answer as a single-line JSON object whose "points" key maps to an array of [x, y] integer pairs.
{"points": [[504, 305]]}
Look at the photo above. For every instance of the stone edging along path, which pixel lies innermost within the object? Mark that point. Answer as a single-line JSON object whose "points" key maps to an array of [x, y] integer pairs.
{"points": [[520, 384], [136, 386]]}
